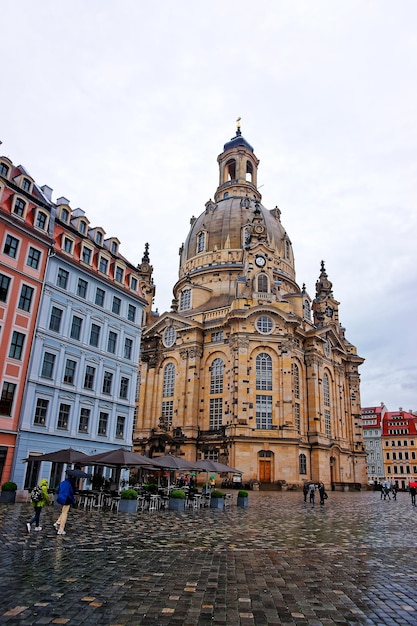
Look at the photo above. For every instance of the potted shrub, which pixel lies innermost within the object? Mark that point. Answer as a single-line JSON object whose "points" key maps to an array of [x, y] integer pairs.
{"points": [[8, 492], [176, 500], [243, 497], [217, 499], [128, 502]]}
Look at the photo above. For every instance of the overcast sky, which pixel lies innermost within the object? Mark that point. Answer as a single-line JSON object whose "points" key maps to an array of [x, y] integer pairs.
{"points": [[122, 107]]}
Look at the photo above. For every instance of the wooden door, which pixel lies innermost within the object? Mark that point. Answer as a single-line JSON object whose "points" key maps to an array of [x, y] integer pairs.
{"points": [[264, 471]]}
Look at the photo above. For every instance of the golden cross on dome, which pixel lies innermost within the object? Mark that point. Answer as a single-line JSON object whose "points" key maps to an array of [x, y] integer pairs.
{"points": [[238, 123]]}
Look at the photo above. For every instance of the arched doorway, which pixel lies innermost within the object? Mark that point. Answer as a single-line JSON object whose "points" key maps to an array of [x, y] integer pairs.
{"points": [[265, 466]]}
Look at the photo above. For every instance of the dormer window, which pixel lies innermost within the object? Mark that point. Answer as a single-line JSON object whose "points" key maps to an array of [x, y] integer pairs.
{"points": [[119, 274], [4, 170], [19, 207], [133, 283], [82, 227], [41, 220], [113, 247], [86, 255], [99, 238], [103, 265], [201, 242], [26, 184], [68, 245], [65, 215]]}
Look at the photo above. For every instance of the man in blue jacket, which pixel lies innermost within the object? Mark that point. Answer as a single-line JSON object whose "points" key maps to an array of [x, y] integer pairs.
{"points": [[65, 497]]}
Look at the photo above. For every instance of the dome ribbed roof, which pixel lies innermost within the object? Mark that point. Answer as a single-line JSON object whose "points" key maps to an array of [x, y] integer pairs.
{"points": [[236, 141]]}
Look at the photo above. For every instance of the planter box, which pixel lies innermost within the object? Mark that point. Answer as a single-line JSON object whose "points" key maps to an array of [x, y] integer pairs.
{"points": [[128, 506], [8, 497], [217, 503], [176, 504], [243, 501]]}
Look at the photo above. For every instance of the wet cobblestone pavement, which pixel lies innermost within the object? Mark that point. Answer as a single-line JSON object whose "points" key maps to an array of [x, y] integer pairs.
{"points": [[280, 561]]}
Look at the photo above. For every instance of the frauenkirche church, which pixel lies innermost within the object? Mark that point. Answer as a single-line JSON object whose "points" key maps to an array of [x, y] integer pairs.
{"points": [[246, 368]]}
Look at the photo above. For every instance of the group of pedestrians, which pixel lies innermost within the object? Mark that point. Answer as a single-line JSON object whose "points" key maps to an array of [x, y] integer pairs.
{"points": [[309, 489], [65, 496]]}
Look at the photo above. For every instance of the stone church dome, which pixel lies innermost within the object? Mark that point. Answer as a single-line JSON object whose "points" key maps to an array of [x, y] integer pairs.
{"points": [[234, 228]]}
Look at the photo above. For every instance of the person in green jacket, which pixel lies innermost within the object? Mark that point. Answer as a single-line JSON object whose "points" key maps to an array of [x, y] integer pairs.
{"points": [[38, 506]]}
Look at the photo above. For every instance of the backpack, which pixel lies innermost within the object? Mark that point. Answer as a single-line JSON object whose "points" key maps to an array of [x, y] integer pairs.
{"points": [[36, 494]]}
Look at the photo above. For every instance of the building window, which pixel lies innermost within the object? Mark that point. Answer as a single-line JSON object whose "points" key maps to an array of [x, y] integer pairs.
{"points": [[100, 293], [216, 413], [128, 348], [33, 258], [216, 379], [11, 246], [114, 247], [201, 242], [103, 265], [112, 342], [48, 365], [82, 227], [94, 335], [119, 274], [262, 283], [76, 326], [124, 387], [4, 170], [69, 374], [264, 324], [62, 278], [64, 215], [4, 287], [26, 184], [263, 412], [133, 283], [55, 321], [185, 300], [90, 373], [16, 345], [99, 238], [131, 313], [296, 380], [306, 310], [217, 336], [326, 390], [167, 411], [327, 423], [41, 220], [120, 426], [84, 420], [25, 300], [169, 381], [297, 417], [19, 207], [63, 416], [7, 396], [68, 244], [107, 382], [82, 288], [86, 255], [263, 372], [32, 474], [103, 421], [169, 336], [117, 303], [41, 412], [302, 464]]}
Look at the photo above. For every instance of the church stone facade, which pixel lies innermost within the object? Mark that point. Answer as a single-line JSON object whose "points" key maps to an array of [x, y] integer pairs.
{"points": [[246, 368]]}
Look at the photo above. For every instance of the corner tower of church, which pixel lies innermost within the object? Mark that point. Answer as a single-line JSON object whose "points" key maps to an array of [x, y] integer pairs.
{"points": [[246, 368]]}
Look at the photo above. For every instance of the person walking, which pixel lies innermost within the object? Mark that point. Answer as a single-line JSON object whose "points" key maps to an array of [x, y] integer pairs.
{"points": [[65, 497], [311, 491], [38, 502], [322, 493], [413, 495], [305, 491]]}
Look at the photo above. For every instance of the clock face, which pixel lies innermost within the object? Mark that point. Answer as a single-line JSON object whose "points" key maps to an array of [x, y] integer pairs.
{"points": [[260, 261]]}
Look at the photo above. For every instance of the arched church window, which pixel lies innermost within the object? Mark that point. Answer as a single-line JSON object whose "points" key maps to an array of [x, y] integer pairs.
{"points": [[326, 401], [216, 380], [169, 337], [287, 249], [185, 299], [169, 380], [230, 170], [307, 310], [326, 390], [265, 454], [296, 380], [302, 462], [262, 283], [263, 372], [201, 242], [249, 172]]}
